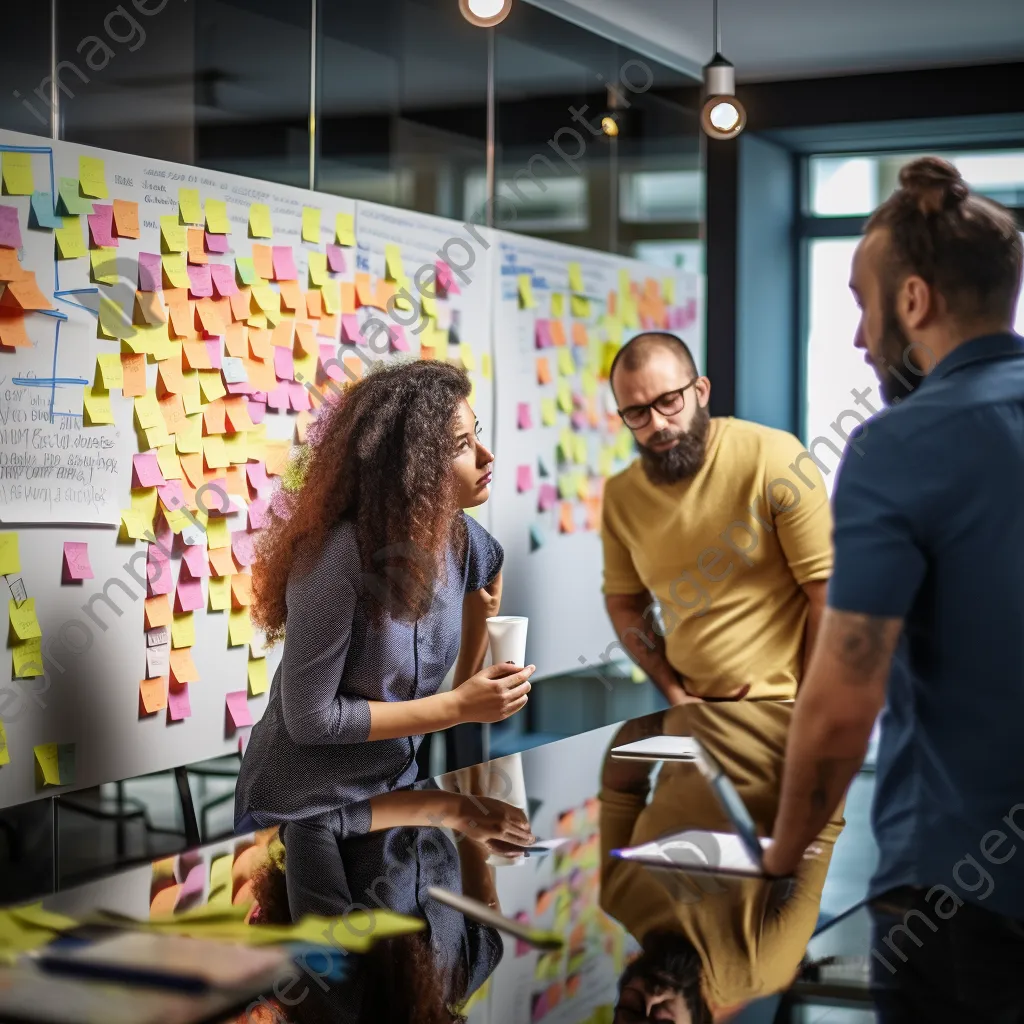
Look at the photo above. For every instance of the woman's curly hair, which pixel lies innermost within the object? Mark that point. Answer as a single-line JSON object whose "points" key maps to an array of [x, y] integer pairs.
{"points": [[381, 457]]}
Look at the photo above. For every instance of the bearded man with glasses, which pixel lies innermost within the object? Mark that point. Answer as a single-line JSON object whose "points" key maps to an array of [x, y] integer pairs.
{"points": [[717, 541]]}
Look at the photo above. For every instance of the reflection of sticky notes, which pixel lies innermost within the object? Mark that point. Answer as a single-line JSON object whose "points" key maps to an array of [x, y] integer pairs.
{"points": [[543, 370], [526, 300], [17, 173], [10, 559], [23, 618], [220, 879], [154, 694], [523, 416], [344, 229], [566, 518], [548, 412], [545, 901], [257, 676], [76, 561], [92, 177], [524, 478], [238, 709], [239, 627], [260, 225], [66, 763], [28, 658], [576, 278], [46, 758]]}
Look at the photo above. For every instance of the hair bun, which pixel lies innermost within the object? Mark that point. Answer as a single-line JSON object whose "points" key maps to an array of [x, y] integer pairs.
{"points": [[934, 184]]}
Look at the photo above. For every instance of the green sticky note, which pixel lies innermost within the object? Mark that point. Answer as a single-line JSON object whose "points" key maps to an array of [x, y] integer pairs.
{"points": [[70, 240], [93, 177], [246, 269], [70, 198], [190, 206], [10, 559], [17, 173], [568, 485], [216, 217]]}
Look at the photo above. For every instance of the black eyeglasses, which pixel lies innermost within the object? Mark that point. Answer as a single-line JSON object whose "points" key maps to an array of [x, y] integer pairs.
{"points": [[637, 416]]}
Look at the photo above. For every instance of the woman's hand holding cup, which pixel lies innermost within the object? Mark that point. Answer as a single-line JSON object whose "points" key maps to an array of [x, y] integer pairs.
{"points": [[494, 694]]}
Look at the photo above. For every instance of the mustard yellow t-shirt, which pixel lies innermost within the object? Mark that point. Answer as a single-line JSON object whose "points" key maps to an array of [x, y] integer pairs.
{"points": [[726, 553]]}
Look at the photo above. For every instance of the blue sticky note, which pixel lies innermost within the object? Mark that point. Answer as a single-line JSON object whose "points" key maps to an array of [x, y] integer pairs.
{"points": [[42, 211], [536, 537]]}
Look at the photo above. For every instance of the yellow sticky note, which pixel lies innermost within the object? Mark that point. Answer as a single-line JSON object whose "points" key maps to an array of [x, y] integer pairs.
{"points": [[211, 384], [10, 559], [237, 447], [23, 618], [310, 225], [46, 754], [175, 270], [17, 174], [485, 366], [576, 278], [214, 452], [566, 365], [526, 300], [668, 287], [147, 410], [582, 487], [5, 757], [548, 412], [257, 676], [259, 221], [239, 627], [345, 229], [267, 298], [190, 396], [174, 234], [104, 265], [393, 262], [220, 881], [28, 658], [567, 445], [188, 439], [134, 524], [97, 407], [581, 454], [144, 501], [170, 464], [564, 396], [557, 305], [109, 371], [630, 314], [183, 630], [428, 304], [624, 444], [177, 520], [92, 177], [318, 265], [613, 329], [589, 383], [190, 206], [113, 322], [467, 357], [218, 535], [217, 222], [472, 394], [580, 307], [220, 593], [70, 240]]}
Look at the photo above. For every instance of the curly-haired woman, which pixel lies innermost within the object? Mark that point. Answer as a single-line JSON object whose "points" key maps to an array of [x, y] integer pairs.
{"points": [[372, 575]]}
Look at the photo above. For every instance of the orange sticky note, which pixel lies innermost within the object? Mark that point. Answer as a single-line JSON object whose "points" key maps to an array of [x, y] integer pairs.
{"points": [[283, 335], [192, 467], [12, 328], [276, 456], [158, 611], [240, 303], [348, 297], [210, 319], [126, 218], [133, 374], [261, 374], [579, 335], [197, 355], [241, 590], [304, 340], [543, 370], [259, 343], [24, 294], [213, 418], [168, 374], [154, 694], [182, 321], [183, 669], [197, 246], [237, 412], [236, 341], [172, 408], [291, 295], [566, 520], [328, 326], [557, 332], [151, 307], [314, 304], [263, 261], [364, 290], [354, 364], [221, 562]]}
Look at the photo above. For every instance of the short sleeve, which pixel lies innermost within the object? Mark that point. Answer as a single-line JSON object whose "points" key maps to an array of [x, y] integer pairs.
{"points": [[796, 495], [879, 562], [620, 575], [485, 556]]}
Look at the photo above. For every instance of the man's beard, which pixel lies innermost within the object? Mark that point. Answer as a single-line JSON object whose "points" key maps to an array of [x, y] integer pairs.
{"points": [[670, 963], [683, 460], [894, 348]]}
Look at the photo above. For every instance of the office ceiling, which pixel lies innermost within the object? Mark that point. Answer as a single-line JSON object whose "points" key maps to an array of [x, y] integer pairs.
{"points": [[775, 39]]}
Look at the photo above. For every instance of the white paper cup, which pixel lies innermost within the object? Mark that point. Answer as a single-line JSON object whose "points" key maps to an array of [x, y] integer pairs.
{"points": [[508, 639], [506, 782]]}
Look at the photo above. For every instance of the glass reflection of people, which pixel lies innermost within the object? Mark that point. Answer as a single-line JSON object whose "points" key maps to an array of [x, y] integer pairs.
{"points": [[384, 855], [371, 573], [710, 944]]}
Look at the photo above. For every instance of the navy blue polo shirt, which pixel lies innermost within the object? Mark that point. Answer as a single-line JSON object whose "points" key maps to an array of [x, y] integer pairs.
{"points": [[929, 528]]}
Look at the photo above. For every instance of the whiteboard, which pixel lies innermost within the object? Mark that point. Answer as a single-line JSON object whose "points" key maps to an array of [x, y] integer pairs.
{"points": [[93, 647], [551, 576]]}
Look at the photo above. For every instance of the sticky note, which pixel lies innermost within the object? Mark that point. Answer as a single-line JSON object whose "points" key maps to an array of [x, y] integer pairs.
{"points": [[576, 278], [17, 173], [183, 630], [259, 221], [101, 225], [158, 657], [28, 658], [46, 758], [23, 618], [345, 229], [126, 218], [537, 537], [70, 240], [523, 416], [92, 177], [284, 263], [546, 497], [153, 693], [178, 704], [557, 305], [183, 668], [219, 593], [10, 559], [564, 396], [566, 519], [43, 211], [173, 234], [238, 710], [216, 216], [76, 561], [526, 300], [5, 757], [190, 206], [239, 627], [524, 478], [311, 224], [542, 333], [548, 412], [580, 307], [566, 364], [543, 370]]}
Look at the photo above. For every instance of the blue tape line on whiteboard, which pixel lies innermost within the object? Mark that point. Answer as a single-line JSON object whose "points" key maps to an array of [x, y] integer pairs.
{"points": [[77, 291], [46, 382], [52, 312]]}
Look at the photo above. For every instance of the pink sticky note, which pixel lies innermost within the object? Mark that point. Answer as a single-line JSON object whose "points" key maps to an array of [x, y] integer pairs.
{"points": [[146, 471], [241, 388], [242, 547], [257, 408], [223, 279], [523, 948], [524, 479], [278, 398], [298, 397], [540, 1008], [284, 264], [171, 495], [445, 280], [216, 243], [546, 497], [10, 232], [578, 420], [350, 332], [284, 364], [76, 561], [178, 706], [150, 272], [396, 335], [238, 709], [524, 418], [101, 225], [195, 880], [194, 556], [158, 572], [257, 514], [200, 281], [543, 332], [257, 474], [336, 259], [188, 595], [329, 362], [213, 350]]}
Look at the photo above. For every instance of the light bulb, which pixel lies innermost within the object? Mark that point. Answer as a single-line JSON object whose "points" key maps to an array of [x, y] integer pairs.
{"points": [[610, 126], [724, 116], [486, 8], [485, 13]]}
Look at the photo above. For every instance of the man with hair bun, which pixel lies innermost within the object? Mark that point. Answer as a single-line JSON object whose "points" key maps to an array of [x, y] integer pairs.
{"points": [[926, 609]]}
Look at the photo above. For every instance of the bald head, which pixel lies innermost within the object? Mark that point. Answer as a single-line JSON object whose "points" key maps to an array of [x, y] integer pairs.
{"points": [[635, 354]]}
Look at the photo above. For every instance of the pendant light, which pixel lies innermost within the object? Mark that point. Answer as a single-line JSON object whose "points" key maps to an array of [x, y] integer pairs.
{"points": [[485, 13], [723, 116]]}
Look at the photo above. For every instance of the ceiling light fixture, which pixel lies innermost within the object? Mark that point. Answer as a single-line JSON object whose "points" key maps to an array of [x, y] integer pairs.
{"points": [[485, 13], [723, 116], [610, 125]]}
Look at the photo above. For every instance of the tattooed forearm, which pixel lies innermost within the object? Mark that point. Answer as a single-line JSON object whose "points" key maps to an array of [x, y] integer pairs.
{"points": [[863, 643]]}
